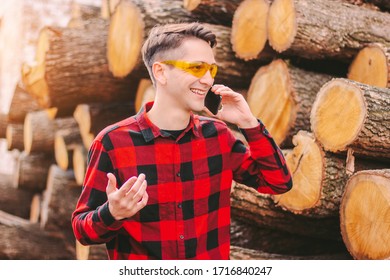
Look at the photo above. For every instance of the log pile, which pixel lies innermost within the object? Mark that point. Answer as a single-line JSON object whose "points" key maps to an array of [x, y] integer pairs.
{"points": [[332, 122]]}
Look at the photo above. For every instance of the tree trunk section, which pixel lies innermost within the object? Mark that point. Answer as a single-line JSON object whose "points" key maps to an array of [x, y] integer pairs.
{"points": [[92, 118], [351, 115], [314, 29], [40, 129], [371, 66], [22, 103], [143, 16], [282, 96], [65, 140], [260, 210], [14, 201], [245, 235], [14, 135], [240, 253], [145, 93], [93, 252], [79, 163], [72, 68], [59, 200], [383, 4], [365, 215], [21, 240], [31, 171], [212, 11], [319, 179], [249, 28], [3, 125], [82, 15]]}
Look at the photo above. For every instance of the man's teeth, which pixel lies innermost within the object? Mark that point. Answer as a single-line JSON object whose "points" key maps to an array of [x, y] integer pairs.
{"points": [[199, 92]]}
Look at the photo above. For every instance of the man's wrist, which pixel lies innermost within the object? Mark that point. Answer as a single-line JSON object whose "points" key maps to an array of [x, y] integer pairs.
{"points": [[251, 123]]}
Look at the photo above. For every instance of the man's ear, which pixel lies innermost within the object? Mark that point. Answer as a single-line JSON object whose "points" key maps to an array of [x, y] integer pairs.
{"points": [[158, 70]]}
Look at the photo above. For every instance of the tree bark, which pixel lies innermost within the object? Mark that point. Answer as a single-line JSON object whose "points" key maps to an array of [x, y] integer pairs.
{"points": [[3, 125], [212, 11], [72, 68], [143, 16], [249, 236], [92, 118], [313, 29], [40, 129], [282, 96], [22, 103], [240, 253], [59, 200], [319, 179], [21, 240], [351, 115], [14, 135], [14, 201], [31, 171], [365, 214], [260, 210], [383, 4]]}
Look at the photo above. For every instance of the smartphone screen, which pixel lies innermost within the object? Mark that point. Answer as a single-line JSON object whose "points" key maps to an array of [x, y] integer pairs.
{"points": [[212, 102]]}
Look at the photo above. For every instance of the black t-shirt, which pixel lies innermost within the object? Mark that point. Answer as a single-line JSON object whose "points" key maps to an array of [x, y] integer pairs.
{"points": [[173, 133]]}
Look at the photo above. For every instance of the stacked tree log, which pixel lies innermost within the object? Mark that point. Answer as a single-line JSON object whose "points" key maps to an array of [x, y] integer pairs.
{"points": [[344, 115], [319, 83]]}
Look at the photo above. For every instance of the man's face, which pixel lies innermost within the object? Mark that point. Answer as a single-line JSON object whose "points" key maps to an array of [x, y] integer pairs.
{"points": [[185, 89]]}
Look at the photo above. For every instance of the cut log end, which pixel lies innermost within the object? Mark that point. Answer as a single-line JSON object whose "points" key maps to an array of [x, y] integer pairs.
{"points": [[371, 67], [191, 5], [333, 127], [270, 99], [125, 37], [365, 215], [33, 76], [145, 93], [305, 162], [27, 134], [82, 252], [61, 152], [282, 26], [79, 163], [249, 29]]}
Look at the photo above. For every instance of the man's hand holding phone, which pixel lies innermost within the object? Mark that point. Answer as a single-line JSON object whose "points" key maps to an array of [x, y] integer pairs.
{"points": [[213, 102], [230, 106]]}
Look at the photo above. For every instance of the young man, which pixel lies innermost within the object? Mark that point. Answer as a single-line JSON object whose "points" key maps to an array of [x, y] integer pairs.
{"points": [[158, 184]]}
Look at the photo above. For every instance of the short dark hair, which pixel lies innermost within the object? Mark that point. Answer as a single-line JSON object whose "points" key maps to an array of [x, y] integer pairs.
{"points": [[166, 37]]}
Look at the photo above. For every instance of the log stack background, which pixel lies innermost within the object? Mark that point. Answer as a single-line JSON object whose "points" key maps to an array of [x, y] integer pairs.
{"points": [[317, 77]]}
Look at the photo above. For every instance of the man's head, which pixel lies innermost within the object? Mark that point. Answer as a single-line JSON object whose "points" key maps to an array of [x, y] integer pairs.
{"points": [[163, 40]]}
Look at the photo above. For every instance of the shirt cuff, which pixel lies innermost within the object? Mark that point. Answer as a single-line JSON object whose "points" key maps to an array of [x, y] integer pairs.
{"points": [[252, 134], [107, 218]]}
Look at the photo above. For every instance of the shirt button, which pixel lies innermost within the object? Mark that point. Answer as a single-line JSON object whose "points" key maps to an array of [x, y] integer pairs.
{"points": [[179, 205], [178, 174], [181, 236]]}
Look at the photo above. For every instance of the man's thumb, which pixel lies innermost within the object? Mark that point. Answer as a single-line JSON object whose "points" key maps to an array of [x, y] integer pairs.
{"points": [[111, 185]]}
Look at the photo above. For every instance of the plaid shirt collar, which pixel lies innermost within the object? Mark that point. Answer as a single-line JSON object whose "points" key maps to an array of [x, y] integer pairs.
{"points": [[150, 131]]}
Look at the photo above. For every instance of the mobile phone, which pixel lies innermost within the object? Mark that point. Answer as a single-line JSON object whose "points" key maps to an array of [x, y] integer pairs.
{"points": [[212, 102]]}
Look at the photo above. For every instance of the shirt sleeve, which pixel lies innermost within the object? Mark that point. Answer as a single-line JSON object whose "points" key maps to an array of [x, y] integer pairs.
{"points": [[91, 221], [262, 164]]}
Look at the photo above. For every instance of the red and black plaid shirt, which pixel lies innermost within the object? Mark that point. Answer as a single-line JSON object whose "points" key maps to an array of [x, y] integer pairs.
{"points": [[189, 179]]}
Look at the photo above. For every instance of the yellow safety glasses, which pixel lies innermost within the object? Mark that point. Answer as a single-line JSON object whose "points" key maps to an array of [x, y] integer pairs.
{"points": [[198, 69]]}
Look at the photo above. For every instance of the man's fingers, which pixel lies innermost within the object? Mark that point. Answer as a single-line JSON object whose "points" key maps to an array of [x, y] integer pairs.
{"points": [[126, 187], [136, 185], [111, 184], [141, 191]]}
